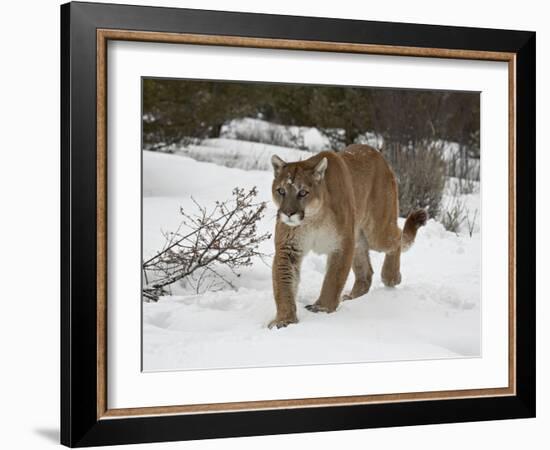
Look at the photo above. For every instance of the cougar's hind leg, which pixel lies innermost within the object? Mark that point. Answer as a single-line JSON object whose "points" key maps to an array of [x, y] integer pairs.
{"points": [[362, 269], [391, 269], [391, 274]]}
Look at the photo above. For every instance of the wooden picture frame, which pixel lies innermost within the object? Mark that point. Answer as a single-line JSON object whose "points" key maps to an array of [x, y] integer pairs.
{"points": [[86, 418]]}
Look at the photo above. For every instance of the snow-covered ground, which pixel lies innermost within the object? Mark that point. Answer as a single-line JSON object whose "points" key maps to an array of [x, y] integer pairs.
{"points": [[433, 313]]}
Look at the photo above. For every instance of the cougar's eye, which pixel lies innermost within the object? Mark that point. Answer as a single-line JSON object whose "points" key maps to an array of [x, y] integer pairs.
{"points": [[281, 191], [302, 193]]}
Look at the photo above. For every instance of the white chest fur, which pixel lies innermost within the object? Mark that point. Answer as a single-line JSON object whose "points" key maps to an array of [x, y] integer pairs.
{"points": [[323, 239]]}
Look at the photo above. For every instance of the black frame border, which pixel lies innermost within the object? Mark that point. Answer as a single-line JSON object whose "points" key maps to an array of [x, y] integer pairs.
{"points": [[79, 423]]}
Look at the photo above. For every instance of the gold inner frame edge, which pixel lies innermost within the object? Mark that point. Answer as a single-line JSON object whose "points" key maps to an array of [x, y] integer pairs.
{"points": [[103, 36]]}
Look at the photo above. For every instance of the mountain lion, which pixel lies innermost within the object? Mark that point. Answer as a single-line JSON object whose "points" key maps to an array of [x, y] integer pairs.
{"points": [[342, 205]]}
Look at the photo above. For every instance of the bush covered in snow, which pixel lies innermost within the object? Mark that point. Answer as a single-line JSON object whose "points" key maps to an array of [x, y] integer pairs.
{"points": [[421, 177]]}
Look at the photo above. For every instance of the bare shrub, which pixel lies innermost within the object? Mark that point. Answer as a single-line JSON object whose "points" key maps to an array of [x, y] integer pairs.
{"points": [[420, 173], [225, 237], [455, 212], [453, 215], [463, 166], [467, 185]]}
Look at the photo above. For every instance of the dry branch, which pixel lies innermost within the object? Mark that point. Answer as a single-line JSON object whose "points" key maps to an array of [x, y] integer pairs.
{"points": [[225, 236]]}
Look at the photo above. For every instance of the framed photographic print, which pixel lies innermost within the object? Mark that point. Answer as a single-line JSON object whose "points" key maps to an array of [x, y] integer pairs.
{"points": [[276, 224]]}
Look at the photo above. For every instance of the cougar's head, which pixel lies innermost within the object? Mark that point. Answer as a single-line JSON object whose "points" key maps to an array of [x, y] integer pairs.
{"points": [[297, 189]]}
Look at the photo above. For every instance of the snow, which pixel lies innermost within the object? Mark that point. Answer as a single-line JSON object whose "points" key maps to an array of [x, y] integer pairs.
{"points": [[241, 154], [308, 138], [434, 313], [263, 131]]}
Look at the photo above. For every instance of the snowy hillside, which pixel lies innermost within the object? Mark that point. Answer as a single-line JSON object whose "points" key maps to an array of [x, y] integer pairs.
{"points": [[434, 313], [248, 144], [241, 154], [305, 138], [257, 130]]}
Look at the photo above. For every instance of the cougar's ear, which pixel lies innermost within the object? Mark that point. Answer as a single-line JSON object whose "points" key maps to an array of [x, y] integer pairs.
{"points": [[277, 163], [319, 171]]}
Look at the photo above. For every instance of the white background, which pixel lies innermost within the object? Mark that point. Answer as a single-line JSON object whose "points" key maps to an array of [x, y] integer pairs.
{"points": [[29, 183], [128, 387]]}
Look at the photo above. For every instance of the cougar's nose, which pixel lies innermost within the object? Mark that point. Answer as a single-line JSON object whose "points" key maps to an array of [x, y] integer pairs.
{"points": [[291, 213]]}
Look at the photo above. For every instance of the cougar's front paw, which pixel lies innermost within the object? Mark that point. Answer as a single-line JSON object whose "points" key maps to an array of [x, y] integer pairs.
{"points": [[281, 323]]}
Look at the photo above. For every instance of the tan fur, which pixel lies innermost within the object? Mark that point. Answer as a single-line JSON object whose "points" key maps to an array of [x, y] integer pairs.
{"points": [[343, 205]]}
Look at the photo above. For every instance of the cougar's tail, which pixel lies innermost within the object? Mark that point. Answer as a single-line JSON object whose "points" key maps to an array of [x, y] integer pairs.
{"points": [[415, 220]]}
